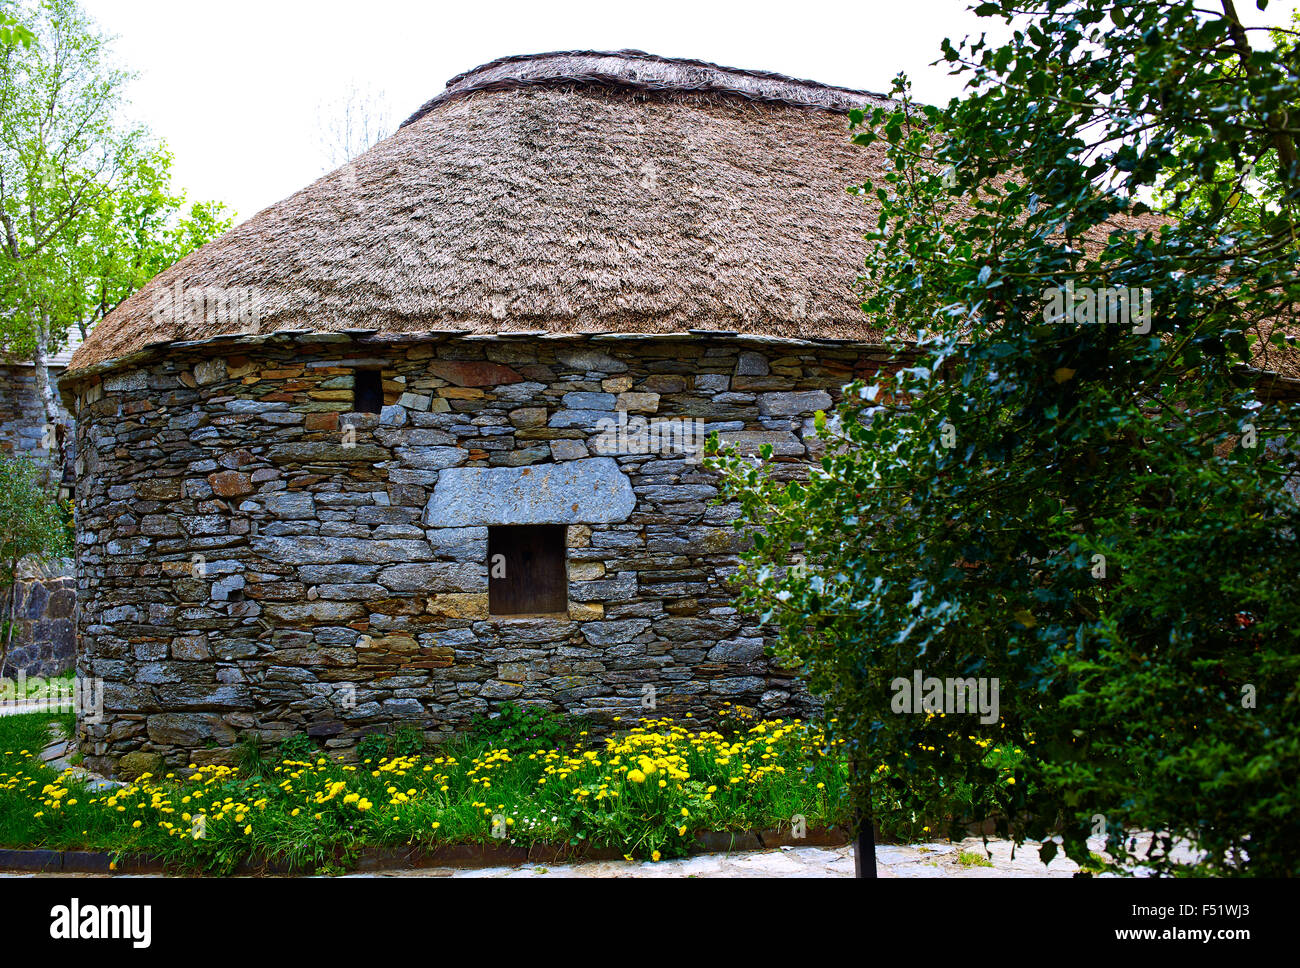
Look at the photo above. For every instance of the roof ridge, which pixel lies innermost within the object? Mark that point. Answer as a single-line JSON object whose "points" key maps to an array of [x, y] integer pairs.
{"points": [[760, 85]]}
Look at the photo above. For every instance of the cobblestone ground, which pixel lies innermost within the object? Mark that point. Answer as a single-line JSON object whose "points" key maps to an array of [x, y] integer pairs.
{"points": [[911, 860]]}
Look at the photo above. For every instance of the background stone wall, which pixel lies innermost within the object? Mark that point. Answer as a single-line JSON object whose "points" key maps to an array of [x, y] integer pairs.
{"points": [[44, 641], [22, 418], [326, 600]]}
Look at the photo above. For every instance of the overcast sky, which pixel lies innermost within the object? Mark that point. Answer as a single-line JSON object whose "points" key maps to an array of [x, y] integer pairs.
{"points": [[235, 87]]}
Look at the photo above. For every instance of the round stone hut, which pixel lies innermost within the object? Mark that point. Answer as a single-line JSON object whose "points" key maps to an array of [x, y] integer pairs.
{"points": [[424, 437]]}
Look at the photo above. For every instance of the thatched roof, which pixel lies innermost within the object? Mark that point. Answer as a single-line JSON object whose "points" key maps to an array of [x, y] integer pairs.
{"points": [[562, 193], [575, 192]]}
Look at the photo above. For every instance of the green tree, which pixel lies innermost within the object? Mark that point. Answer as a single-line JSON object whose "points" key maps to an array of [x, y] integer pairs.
{"points": [[31, 526], [12, 32], [1245, 190], [1079, 495], [131, 234], [85, 205]]}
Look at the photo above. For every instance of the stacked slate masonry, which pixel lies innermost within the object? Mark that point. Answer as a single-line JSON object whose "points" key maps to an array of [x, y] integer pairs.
{"points": [[43, 641], [256, 557]]}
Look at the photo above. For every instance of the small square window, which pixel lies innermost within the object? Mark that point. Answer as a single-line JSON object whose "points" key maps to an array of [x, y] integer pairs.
{"points": [[367, 391], [526, 570]]}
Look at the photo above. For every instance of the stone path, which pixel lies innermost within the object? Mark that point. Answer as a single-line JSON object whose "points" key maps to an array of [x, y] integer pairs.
{"points": [[56, 755], [21, 707], [904, 860]]}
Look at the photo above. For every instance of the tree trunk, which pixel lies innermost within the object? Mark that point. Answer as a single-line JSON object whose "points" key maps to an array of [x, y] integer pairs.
{"points": [[12, 609], [1283, 141], [40, 360], [52, 436]]}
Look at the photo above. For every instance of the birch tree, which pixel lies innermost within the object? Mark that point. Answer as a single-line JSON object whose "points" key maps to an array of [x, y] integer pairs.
{"points": [[87, 214]]}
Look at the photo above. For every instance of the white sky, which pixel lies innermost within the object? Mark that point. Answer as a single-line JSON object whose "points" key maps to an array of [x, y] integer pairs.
{"points": [[234, 87]]}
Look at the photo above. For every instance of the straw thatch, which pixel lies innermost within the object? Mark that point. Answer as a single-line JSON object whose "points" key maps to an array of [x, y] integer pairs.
{"points": [[571, 206]]}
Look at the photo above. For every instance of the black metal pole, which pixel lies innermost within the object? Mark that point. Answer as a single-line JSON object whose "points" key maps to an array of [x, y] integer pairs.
{"points": [[864, 833], [864, 849]]}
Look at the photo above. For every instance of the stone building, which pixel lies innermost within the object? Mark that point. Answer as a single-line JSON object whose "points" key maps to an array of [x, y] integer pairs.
{"points": [[422, 438]]}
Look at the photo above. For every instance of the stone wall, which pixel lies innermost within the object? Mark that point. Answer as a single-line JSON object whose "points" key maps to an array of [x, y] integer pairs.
{"points": [[22, 417], [254, 558], [44, 640]]}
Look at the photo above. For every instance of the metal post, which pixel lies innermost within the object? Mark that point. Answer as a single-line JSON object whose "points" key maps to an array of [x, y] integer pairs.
{"points": [[864, 848], [864, 833]]}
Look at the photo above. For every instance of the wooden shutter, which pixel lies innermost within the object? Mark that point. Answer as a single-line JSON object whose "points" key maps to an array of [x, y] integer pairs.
{"points": [[529, 577]]}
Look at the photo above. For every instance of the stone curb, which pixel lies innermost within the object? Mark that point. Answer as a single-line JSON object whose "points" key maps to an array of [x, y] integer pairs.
{"points": [[373, 859]]}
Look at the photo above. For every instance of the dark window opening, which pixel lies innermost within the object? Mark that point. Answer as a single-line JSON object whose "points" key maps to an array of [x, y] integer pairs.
{"points": [[367, 391], [526, 570]]}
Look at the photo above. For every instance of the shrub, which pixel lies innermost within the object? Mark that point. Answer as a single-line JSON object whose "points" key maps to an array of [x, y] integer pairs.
{"points": [[372, 746], [1085, 511], [250, 757], [298, 747], [515, 727], [402, 741]]}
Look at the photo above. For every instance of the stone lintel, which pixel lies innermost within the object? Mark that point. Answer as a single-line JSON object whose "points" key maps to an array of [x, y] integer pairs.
{"points": [[590, 491]]}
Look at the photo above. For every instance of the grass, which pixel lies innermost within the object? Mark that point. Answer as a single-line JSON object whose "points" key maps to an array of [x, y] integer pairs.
{"points": [[30, 732], [970, 858], [646, 791], [37, 687]]}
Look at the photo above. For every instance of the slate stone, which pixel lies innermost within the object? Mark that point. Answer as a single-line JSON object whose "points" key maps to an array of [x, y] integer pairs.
{"points": [[792, 404], [581, 400], [593, 490], [323, 450], [189, 729], [737, 650], [474, 373], [230, 484], [583, 419], [413, 401], [291, 505], [589, 360], [431, 458], [783, 442], [467, 576], [614, 633], [568, 449], [310, 550], [209, 371]]}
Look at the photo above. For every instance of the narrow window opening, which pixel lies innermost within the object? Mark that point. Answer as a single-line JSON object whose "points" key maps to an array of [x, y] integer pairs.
{"points": [[367, 391], [526, 570]]}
